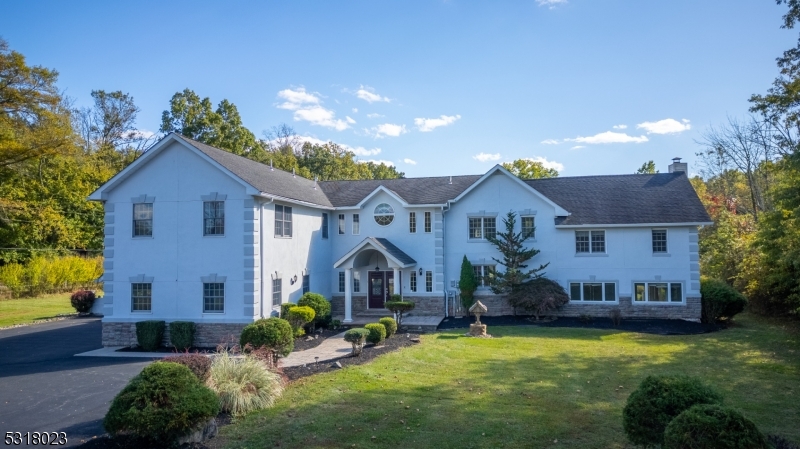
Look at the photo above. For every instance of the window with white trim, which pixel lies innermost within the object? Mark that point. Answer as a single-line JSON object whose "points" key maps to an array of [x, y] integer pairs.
{"points": [[141, 296], [143, 220], [356, 281], [413, 281], [428, 281], [412, 222], [663, 292], [283, 221], [384, 214], [483, 274], [427, 222], [341, 282], [356, 224], [528, 227], [306, 283], [592, 291], [590, 242], [482, 228], [213, 297], [324, 225], [341, 224], [213, 218], [277, 286], [659, 240]]}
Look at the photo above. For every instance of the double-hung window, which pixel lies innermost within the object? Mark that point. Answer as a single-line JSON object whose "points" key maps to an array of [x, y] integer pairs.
{"points": [[213, 218], [341, 282], [143, 220], [428, 281], [341, 224], [413, 281], [663, 292], [483, 274], [283, 221], [412, 222], [590, 242], [213, 297], [306, 283], [528, 227], [482, 228], [593, 291], [356, 281], [324, 225], [356, 224], [427, 222], [659, 241], [277, 286], [141, 296]]}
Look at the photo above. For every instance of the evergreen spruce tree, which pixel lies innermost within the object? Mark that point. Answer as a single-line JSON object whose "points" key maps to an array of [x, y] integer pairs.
{"points": [[468, 283], [512, 247]]}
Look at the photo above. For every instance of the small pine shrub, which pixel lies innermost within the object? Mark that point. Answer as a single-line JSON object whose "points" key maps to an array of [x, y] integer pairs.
{"points": [[356, 337], [390, 324], [321, 306], [657, 401], [149, 334], [199, 364], [243, 384], [720, 300], [162, 403], [181, 334], [399, 308], [377, 333], [299, 316], [285, 307], [82, 300], [271, 333], [708, 426]]}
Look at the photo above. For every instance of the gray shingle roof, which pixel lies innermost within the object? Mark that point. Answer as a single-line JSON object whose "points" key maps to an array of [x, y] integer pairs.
{"points": [[395, 251], [436, 190], [624, 199]]}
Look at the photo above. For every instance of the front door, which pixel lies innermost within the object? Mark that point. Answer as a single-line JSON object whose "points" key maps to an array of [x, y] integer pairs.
{"points": [[377, 290]]}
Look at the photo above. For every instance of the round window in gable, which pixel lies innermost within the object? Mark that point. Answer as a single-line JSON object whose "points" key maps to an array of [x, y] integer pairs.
{"points": [[384, 214]]}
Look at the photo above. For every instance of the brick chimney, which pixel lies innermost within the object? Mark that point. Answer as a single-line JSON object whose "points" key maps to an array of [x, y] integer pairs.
{"points": [[677, 166]]}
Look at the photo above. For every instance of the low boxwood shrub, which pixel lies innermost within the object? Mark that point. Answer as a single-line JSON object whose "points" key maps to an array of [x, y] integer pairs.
{"points": [[720, 300], [285, 308], [377, 333], [150, 333], [710, 426], [356, 337], [82, 300], [321, 306], [199, 364], [399, 308], [299, 316], [243, 384], [162, 403], [181, 334], [390, 324], [657, 401], [271, 333]]}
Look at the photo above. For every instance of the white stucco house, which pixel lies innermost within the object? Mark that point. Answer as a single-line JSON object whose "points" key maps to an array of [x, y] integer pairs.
{"points": [[195, 233]]}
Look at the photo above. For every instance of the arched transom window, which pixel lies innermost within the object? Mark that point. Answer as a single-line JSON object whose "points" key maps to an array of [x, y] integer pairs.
{"points": [[384, 214]]}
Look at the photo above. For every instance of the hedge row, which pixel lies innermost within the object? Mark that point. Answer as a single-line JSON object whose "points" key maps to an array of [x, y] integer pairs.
{"points": [[51, 275]]}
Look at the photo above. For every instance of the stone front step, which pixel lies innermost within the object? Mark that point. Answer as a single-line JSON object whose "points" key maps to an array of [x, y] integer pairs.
{"points": [[418, 323]]}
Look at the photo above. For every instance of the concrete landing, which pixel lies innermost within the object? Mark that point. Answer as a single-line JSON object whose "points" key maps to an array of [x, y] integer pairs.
{"points": [[425, 323]]}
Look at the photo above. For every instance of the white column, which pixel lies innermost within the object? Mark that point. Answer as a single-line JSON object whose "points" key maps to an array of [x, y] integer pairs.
{"points": [[398, 289], [348, 296]]}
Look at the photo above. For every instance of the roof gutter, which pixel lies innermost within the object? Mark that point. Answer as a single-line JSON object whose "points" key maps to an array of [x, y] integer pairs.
{"points": [[283, 199], [635, 225]]}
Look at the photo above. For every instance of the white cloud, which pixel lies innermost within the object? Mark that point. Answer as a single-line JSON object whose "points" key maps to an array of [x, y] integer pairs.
{"points": [[410, 161], [306, 107], [620, 126], [375, 115], [608, 137], [485, 157], [389, 129], [577, 147], [349, 120], [666, 126], [378, 161], [550, 142], [546, 164], [358, 151], [355, 110], [368, 94], [550, 3], [429, 124], [361, 151]]}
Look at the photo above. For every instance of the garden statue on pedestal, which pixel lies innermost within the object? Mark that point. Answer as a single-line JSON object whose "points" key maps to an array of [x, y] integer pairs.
{"points": [[477, 329]]}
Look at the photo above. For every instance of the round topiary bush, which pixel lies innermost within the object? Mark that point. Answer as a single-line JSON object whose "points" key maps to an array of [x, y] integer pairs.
{"points": [[321, 306], [709, 426], [390, 324], [356, 337], [377, 333], [82, 300], [720, 300], [164, 402], [272, 333], [399, 308], [657, 401], [285, 308], [298, 316]]}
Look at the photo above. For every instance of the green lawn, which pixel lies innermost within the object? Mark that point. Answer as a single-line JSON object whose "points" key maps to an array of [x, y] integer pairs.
{"points": [[527, 387], [26, 310]]}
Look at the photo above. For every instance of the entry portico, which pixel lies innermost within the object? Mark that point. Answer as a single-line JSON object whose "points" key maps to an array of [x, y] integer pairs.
{"points": [[386, 256]]}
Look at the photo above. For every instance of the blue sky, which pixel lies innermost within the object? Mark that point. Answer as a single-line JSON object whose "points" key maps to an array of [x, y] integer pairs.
{"points": [[435, 87]]}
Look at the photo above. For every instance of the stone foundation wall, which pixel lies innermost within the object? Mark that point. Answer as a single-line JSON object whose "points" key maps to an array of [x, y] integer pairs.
{"points": [[425, 305], [208, 335]]}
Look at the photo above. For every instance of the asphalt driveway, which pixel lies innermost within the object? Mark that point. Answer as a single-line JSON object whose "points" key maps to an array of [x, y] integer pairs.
{"points": [[43, 388]]}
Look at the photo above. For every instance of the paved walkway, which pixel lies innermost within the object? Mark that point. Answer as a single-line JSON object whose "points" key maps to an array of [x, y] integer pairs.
{"points": [[332, 348]]}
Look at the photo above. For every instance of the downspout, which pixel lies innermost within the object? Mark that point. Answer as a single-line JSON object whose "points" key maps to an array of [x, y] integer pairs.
{"points": [[261, 248], [444, 258]]}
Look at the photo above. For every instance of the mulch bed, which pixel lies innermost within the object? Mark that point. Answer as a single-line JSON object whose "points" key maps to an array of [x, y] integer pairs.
{"points": [[302, 343], [645, 326]]}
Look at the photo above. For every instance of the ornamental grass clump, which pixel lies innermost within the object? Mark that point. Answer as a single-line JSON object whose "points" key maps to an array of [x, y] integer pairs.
{"points": [[181, 334], [271, 333], [356, 337], [298, 317], [377, 333], [163, 403], [243, 384], [708, 426], [390, 324]]}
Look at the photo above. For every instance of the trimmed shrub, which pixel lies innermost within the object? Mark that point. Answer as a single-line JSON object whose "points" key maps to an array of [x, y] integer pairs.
{"points": [[82, 300], [299, 316], [285, 308], [243, 384], [164, 402], [150, 333], [356, 337], [399, 308], [657, 401], [181, 334], [538, 297], [616, 316], [199, 364], [377, 333], [321, 306], [390, 324], [720, 300], [467, 284], [272, 333], [708, 426]]}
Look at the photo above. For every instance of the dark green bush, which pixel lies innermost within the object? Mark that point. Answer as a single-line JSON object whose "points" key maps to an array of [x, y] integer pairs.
{"points": [[150, 333], [181, 334], [377, 333], [708, 426], [779, 442], [537, 297], [321, 306], [285, 308], [82, 300], [298, 317], [657, 401], [399, 308], [199, 364], [390, 324], [162, 403], [356, 337], [720, 300], [272, 333]]}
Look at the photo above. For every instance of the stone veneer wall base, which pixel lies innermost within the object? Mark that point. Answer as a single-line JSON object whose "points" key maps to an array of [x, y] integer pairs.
{"points": [[208, 335], [425, 305]]}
